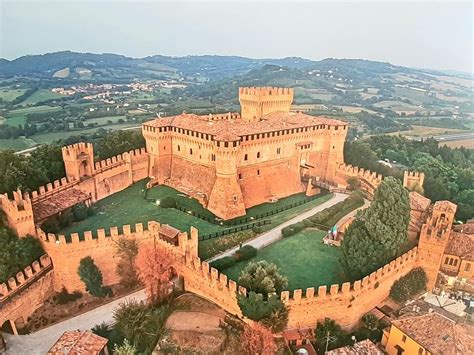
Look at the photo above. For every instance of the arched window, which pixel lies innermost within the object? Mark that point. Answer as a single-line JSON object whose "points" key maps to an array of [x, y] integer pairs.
{"points": [[179, 148]]}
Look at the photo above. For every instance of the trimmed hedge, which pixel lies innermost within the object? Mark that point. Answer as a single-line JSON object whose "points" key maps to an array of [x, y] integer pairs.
{"points": [[409, 285], [327, 217], [223, 263], [245, 253]]}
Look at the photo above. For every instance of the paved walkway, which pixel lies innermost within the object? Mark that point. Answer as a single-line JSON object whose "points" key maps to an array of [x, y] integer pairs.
{"points": [[353, 213], [41, 341], [274, 234]]}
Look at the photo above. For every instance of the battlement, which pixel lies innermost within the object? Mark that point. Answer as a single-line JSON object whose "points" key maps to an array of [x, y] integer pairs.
{"points": [[413, 179], [368, 177], [53, 188], [74, 149], [266, 91], [24, 277], [356, 288], [18, 213], [130, 156], [223, 116]]}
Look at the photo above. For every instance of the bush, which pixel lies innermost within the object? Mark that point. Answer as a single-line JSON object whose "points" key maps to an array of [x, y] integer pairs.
{"points": [[409, 285], [257, 229], [80, 212], [223, 263], [271, 312], [64, 297], [168, 202], [246, 252]]}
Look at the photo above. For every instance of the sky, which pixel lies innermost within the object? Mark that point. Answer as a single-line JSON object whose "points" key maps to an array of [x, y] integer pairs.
{"points": [[422, 34]]}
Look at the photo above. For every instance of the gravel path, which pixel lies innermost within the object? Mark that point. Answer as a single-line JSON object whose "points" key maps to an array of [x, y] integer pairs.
{"points": [[274, 234], [41, 341]]}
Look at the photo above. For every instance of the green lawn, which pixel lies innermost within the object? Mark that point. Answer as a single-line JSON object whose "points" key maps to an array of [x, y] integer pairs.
{"points": [[103, 120], [303, 258], [10, 94], [40, 95], [130, 207]]}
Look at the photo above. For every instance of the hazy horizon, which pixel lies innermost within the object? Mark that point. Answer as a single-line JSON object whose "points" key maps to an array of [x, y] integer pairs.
{"points": [[428, 35]]}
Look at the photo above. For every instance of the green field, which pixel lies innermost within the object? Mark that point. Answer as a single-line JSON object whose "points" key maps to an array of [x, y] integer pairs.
{"points": [[18, 116], [10, 94], [17, 144], [303, 258], [103, 120], [40, 95]]}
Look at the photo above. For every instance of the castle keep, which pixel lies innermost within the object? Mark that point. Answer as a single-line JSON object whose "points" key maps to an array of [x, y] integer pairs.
{"points": [[231, 162]]}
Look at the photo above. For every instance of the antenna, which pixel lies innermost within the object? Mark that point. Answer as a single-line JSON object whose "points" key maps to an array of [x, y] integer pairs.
{"points": [[329, 339]]}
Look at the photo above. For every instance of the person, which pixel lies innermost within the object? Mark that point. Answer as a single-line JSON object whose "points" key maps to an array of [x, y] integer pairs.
{"points": [[240, 245]]}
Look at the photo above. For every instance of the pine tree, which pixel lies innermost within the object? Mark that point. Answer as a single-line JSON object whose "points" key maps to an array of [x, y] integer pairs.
{"points": [[378, 233], [91, 276]]}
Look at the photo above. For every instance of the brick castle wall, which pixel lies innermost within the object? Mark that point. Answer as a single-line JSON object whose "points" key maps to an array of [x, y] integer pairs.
{"points": [[27, 291]]}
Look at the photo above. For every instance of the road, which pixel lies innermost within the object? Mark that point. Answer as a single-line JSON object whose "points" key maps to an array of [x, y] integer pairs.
{"points": [[41, 341], [446, 137], [275, 234]]}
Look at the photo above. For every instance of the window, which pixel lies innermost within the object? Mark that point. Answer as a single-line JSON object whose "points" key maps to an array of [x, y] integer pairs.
{"points": [[190, 151], [258, 155], [468, 267], [258, 172], [450, 261], [404, 338], [455, 262], [399, 349], [446, 260], [420, 351], [240, 176], [278, 150], [246, 157], [179, 148], [213, 157]]}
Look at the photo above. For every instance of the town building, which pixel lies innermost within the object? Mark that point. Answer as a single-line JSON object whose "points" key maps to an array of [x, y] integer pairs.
{"points": [[429, 333]]}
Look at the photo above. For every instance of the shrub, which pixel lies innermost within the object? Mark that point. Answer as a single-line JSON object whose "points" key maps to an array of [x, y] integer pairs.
{"points": [[257, 229], [223, 263], [51, 225], [64, 296], [271, 312], [80, 212], [168, 202], [409, 285], [65, 219], [246, 252]]}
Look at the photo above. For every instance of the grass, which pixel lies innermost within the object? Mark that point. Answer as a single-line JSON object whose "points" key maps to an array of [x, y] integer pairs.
{"points": [[303, 258], [18, 116], [130, 207], [10, 94], [210, 247], [103, 120], [419, 131], [40, 95], [17, 144]]}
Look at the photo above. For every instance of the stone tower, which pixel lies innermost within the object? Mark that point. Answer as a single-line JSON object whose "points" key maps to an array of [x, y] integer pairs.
{"points": [[256, 103], [78, 160], [413, 180], [433, 239]]}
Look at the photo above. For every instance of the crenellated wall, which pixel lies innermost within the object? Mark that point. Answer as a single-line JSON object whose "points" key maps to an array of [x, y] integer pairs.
{"points": [[369, 180], [413, 180], [97, 180], [25, 292]]}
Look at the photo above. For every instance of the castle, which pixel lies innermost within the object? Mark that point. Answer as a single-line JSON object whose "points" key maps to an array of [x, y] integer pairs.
{"points": [[229, 162]]}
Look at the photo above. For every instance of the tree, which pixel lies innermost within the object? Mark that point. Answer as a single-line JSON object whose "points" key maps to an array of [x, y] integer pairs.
{"points": [[262, 277], [329, 335], [271, 312], [91, 276], [127, 251], [155, 271], [353, 183], [16, 253], [257, 339], [125, 349], [370, 321], [409, 285], [378, 233], [140, 323]]}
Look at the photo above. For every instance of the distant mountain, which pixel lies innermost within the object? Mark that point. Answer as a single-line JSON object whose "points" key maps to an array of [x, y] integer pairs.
{"points": [[107, 66]]}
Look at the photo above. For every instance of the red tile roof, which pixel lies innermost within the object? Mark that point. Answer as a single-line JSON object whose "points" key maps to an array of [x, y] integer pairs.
{"points": [[462, 245], [77, 343], [232, 128]]}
